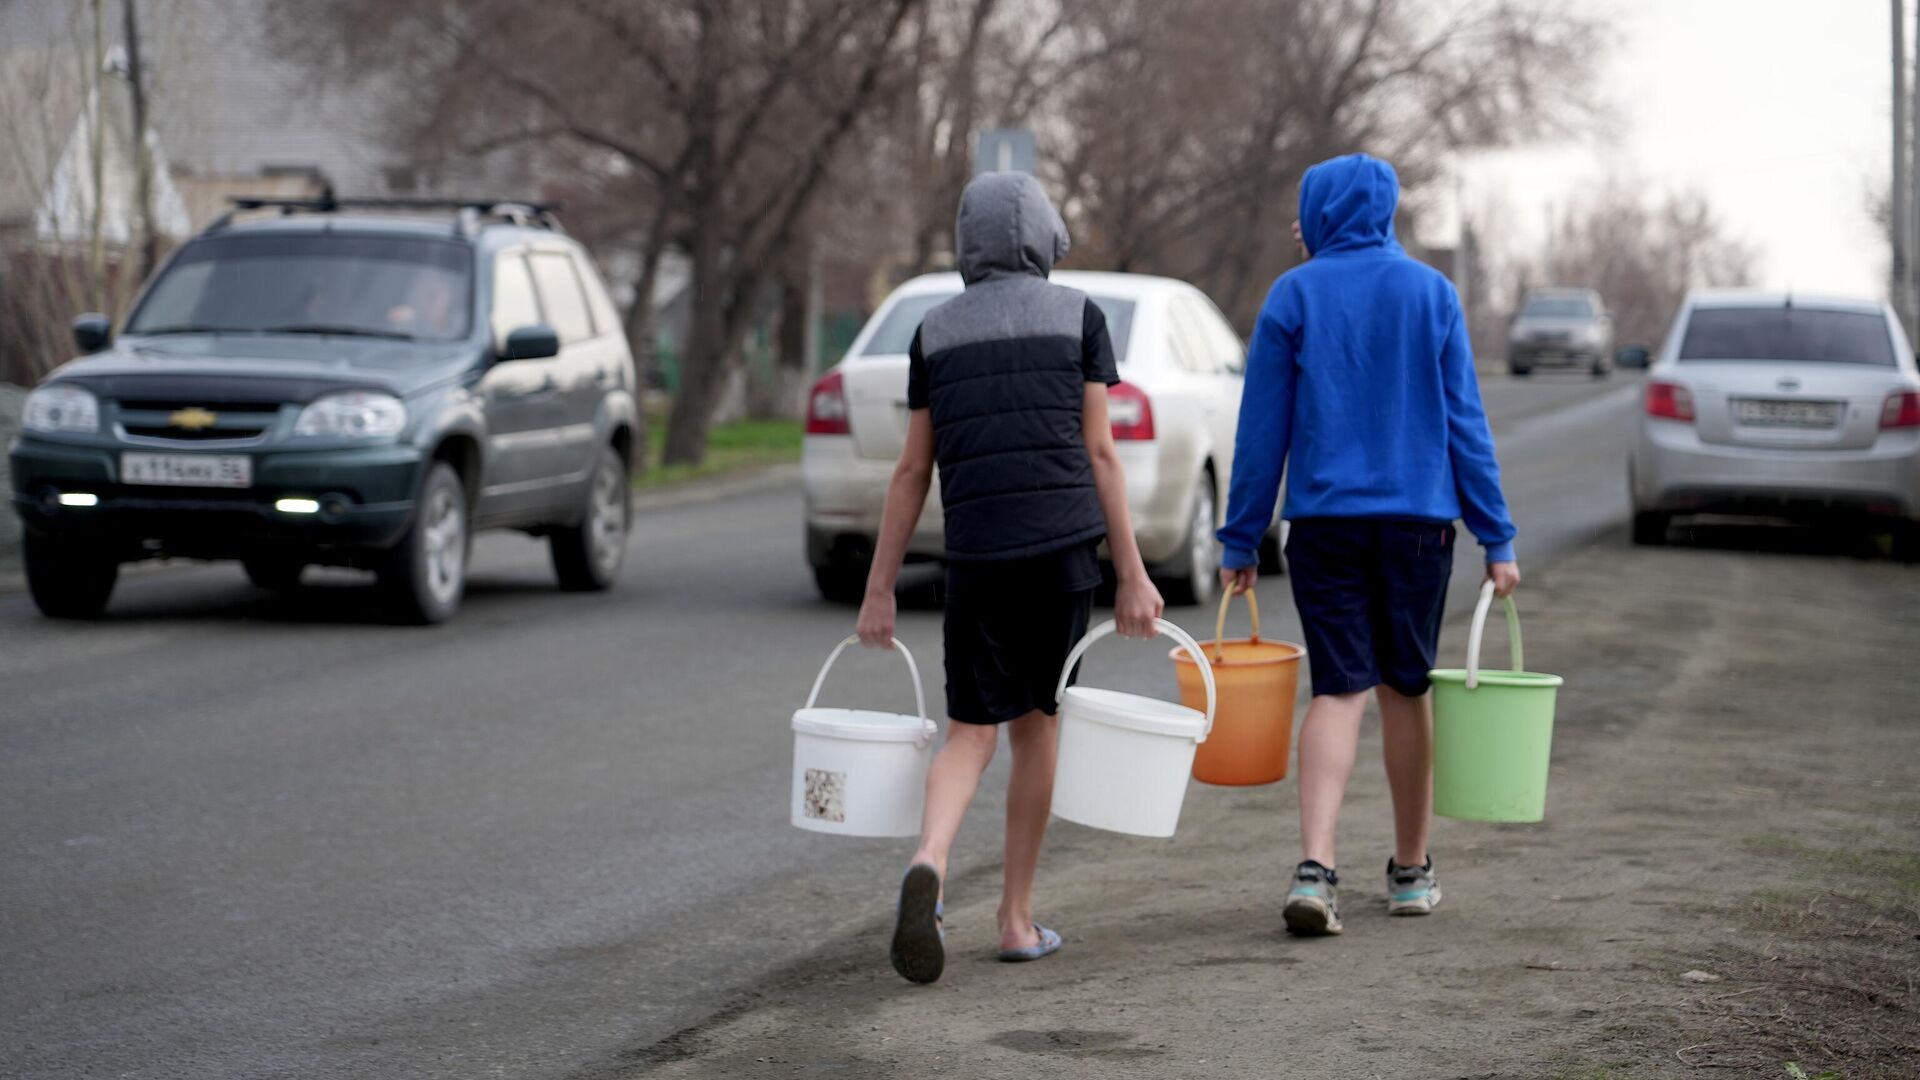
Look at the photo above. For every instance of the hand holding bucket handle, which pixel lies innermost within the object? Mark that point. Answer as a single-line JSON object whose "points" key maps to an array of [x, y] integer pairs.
{"points": [[919, 696], [1479, 630], [1220, 624], [1164, 629]]}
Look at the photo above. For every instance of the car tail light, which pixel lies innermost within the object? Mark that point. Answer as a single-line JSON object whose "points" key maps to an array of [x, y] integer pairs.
{"points": [[1130, 411], [827, 406], [1902, 410], [1669, 401]]}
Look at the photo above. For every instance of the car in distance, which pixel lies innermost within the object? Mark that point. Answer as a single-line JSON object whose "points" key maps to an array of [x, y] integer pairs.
{"points": [[339, 382], [1778, 405], [1174, 416], [1561, 328]]}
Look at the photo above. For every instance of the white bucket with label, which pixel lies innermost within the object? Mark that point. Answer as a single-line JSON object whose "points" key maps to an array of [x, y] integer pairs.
{"points": [[1124, 758], [857, 772]]}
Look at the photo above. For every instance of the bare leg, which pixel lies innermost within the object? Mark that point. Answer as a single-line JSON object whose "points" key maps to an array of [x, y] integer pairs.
{"points": [[1029, 801], [1328, 739], [1406, 742], [951, 782]]}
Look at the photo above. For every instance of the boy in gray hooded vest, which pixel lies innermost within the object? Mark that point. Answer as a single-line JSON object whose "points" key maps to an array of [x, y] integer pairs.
{"points": [[1007, 392]]}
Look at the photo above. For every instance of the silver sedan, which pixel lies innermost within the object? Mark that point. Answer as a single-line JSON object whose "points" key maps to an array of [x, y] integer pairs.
{"points": [[1778, 405]]}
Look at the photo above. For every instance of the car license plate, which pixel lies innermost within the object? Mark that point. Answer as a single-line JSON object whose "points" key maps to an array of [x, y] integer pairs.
{"points": [[1764, 412], [187, 470]]}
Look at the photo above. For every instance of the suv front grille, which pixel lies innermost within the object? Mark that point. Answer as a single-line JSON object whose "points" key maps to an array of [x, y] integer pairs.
{"points": [[197, 422]]}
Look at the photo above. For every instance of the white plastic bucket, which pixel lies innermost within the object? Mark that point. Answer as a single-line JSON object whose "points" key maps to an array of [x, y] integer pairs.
{"points": [[857, 772], [1125, 759]]}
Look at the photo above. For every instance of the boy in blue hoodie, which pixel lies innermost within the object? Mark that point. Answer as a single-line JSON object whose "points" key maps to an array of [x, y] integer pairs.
{"points": [[1361, 376]]}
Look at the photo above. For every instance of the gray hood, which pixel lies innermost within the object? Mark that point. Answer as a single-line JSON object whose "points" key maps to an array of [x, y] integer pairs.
{"points": [[1007, 226]]}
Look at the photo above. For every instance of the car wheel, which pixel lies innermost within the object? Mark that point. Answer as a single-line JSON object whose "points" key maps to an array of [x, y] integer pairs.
{"points": [[841, 583], [273, 572], [1906, 542], [67, 580], [587, 557], [1519, 371], [1600, 370], [1650, 528], [1273, 558], [426, 572], [1195, 576]]}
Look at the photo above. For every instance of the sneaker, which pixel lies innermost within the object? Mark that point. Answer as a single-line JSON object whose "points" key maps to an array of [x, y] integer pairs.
{"points": [[1313, 907], [1411, 890]]}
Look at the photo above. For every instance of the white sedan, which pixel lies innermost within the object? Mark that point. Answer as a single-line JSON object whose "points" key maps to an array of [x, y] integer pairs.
{"points": [[1174, 415]]}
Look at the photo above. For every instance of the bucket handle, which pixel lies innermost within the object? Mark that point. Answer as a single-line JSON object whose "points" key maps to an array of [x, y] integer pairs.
{"points": [[1220, 624], [929, 728], [1479, 630], [1165, 629]]}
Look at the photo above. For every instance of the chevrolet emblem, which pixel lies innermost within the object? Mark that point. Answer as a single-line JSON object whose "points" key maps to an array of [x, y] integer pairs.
{"points": [[192, 418]]}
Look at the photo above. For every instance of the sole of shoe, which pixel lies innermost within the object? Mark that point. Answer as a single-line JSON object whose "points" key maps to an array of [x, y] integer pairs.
{"points": [[1309, 917], [917, 952], [1422, 906]]}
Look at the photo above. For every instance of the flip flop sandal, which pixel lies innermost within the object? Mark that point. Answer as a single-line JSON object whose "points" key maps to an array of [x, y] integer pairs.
{"points": [[1048, 944], [917, 952]]}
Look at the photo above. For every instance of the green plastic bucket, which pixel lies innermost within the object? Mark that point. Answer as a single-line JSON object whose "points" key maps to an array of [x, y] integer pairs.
{"points": [[1492, 732]]}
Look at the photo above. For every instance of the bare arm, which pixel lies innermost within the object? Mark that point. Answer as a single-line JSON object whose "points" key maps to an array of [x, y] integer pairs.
{"points": [[1136, 602], [906, 496]]}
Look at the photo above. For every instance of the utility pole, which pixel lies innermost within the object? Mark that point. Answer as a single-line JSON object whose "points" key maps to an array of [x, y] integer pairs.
{"points": [[142, 158], [1909, 238], [1901, 288]]}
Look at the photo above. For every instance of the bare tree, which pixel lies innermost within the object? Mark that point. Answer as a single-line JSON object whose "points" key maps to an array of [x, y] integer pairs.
{"points": [[716, 123]]}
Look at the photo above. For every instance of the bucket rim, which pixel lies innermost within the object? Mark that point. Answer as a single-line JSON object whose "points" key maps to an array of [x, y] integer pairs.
{"points": [[1136, 712], [860, 725], [1180, 655], [1530, 680]]}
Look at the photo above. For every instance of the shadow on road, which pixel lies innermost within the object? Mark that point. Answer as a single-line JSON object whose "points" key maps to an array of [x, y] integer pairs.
{"points": [[1773, 538]]}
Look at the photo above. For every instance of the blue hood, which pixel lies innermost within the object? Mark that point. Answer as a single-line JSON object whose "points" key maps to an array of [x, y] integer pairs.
{"points": [[1347, 204]]}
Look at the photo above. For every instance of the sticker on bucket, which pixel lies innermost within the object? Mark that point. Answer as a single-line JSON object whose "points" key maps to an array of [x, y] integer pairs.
{"points": [[826, 797]]}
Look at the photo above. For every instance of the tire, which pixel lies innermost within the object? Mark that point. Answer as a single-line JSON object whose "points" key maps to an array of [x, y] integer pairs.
{"points": [[1193, 576], [67, 580], [1273, 559], [273, 572], [1906, 542], [1600, 369], [426, 572], [841, 583], [1519, 371], [587, 556], [1650, 528]]}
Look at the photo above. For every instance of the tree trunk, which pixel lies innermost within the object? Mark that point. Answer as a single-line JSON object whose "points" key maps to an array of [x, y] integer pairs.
{"points": [[703, 367]]}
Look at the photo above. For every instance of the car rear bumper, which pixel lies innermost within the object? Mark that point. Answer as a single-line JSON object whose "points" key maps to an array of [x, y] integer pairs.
{"points": [[366, 496], [846, 494], [1552, 356], [1674, 471]]}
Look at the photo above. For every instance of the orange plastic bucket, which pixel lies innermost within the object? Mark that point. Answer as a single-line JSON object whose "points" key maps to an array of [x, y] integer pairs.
{"points": [[1253, 721]]}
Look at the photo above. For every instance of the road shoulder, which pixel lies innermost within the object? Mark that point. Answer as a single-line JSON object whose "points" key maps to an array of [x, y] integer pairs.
{"points": [[1725, 879]]}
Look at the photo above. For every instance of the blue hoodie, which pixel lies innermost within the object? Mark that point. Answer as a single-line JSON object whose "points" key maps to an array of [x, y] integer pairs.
{"points": [[1360, 371]]}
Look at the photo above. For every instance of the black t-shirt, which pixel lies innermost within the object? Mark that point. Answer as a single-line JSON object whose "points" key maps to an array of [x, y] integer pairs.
{"points": [[1072, 568]]}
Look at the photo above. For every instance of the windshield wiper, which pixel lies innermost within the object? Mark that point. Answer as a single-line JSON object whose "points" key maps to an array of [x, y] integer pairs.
{"points": [[341, 331], [189, 328]]}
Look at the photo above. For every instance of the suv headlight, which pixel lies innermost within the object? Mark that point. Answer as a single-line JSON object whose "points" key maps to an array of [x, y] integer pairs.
{"points": [[354, 414], [61, 408]]}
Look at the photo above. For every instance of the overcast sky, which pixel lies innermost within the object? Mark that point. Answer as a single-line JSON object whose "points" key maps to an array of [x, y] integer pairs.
{"points": [[1777, 109]]}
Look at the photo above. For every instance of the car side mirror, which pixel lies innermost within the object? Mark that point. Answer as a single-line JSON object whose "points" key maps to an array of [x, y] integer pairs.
{"points": [[1631, 356], [92, 332], [536, 342]]}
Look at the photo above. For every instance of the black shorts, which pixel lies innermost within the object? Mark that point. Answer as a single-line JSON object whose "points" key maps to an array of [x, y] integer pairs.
{"points": [[1005, 648], [1371, 594]]}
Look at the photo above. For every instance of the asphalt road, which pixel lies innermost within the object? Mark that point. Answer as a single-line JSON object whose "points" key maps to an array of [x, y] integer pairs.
{"points": [[257, 835]]}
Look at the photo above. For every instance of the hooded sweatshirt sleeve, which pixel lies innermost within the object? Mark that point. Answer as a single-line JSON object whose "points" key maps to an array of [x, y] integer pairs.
{"points": [[1264, 435], [1476, 472]]}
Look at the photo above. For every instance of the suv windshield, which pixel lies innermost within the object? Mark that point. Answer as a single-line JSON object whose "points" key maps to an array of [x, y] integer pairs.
{"points": [[409, 288], [1559, 307], [894, 335], [1784, 333]]}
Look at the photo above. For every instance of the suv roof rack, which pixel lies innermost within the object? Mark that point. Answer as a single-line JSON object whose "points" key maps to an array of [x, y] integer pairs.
{"points": [[470, 214]]}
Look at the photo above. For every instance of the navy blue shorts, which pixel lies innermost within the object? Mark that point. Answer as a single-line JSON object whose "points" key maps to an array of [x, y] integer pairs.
{"points": [[1370, 594]]}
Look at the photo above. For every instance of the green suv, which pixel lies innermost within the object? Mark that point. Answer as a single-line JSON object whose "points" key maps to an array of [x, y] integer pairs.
{"points": [[339, 382]]}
